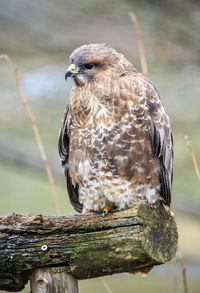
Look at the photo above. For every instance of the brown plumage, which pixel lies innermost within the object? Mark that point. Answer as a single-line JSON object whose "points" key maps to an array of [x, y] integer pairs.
{"points": [[115, 141]]}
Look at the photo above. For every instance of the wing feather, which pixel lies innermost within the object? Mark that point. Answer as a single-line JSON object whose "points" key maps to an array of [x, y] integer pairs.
{"points": [[63, 149], [162, 141]]}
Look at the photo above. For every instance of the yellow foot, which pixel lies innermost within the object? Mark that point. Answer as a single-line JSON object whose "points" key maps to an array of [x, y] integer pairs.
{"points": [[106, 211]]}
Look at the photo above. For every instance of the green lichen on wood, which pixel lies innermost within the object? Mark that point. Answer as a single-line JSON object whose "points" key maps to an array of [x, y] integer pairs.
{"points": [[161, 237], [89, 246]]}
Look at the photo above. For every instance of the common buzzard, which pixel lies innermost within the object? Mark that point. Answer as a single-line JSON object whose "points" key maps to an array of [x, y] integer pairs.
{"points": [[115, 141]]}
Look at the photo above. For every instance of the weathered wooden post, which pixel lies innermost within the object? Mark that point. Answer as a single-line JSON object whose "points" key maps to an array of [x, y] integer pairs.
{"points": [[53, 280], [52, 252]]}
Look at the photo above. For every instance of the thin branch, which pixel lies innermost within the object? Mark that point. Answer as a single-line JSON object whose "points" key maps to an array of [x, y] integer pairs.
{"points": [[101, 280], [174, 275], [173, 261], [35, 130], [140, 43], [183, 268], [179, 255], [193, 157], [181, 261]]}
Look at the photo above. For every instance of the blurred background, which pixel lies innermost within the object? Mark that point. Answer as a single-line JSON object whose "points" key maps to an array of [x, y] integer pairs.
{"points": [[39, 36]]}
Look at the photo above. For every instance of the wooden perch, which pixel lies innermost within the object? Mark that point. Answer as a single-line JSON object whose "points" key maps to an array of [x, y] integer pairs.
{"points": [[88, 246]]}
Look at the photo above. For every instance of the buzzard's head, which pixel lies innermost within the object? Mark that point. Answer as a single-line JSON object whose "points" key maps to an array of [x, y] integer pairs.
{"points": [[90, 62]]}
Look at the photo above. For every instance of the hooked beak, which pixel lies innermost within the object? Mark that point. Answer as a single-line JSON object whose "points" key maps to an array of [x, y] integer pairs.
{"points": [[71, 71]]}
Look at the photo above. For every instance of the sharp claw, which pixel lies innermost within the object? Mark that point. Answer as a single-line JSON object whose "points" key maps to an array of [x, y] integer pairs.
{"points": [[106, 211]]}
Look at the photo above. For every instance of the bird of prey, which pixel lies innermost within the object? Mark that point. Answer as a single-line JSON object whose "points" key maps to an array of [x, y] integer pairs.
{"points": [[115, 141]]}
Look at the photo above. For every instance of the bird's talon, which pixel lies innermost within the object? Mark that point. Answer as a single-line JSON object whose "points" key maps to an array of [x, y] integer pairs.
{"points": [[106, 211]]}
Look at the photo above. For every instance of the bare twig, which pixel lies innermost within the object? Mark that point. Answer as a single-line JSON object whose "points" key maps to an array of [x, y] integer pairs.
{"points": [[174, 275], [179, 255], [173, 261], [181, 261], [35, 130], [193, 156], [101, 280], [140, 44], [183, 268]]}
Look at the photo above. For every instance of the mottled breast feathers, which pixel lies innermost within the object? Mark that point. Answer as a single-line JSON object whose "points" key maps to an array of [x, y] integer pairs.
{"points": [[115, 141]]}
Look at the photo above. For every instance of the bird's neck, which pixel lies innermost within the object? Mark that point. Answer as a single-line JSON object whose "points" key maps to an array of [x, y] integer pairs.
{"points": [[93, 102]]}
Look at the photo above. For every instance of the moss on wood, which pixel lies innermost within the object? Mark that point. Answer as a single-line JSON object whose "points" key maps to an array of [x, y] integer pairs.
{"points": [[88, 245]]}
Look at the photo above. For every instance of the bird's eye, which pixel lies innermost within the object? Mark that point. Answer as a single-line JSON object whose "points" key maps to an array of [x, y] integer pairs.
{"points": [[89, 66]]}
